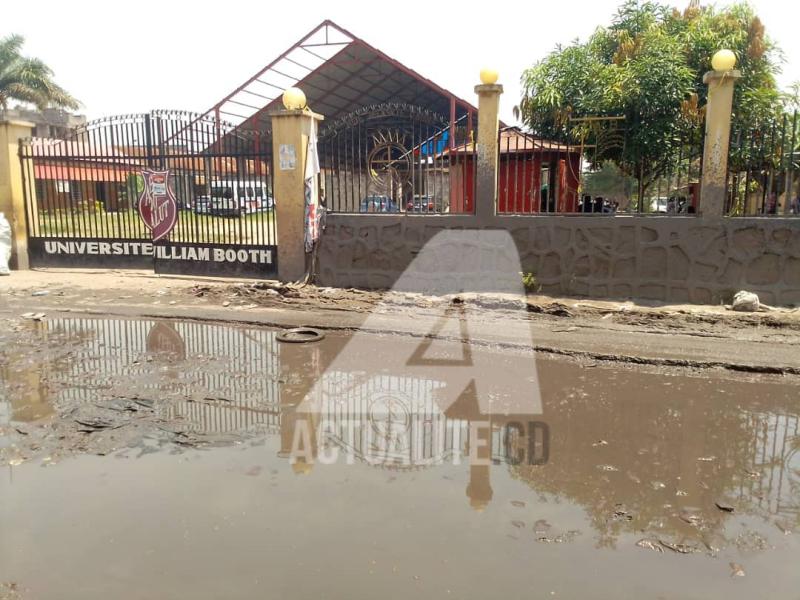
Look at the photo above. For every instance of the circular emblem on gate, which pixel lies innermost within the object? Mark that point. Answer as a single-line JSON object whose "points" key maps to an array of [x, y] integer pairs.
{"points": [[389, 162]]}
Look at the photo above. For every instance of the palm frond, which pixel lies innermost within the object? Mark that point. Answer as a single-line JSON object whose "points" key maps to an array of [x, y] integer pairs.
{"points": [[28, 80]]}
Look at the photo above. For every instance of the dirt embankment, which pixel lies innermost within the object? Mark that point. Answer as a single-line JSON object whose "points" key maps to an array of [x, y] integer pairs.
{"points": [[671, 335], [681, 317]]}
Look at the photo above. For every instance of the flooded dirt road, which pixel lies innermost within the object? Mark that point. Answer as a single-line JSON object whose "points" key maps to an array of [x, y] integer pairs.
{"points": [[174, 459]]}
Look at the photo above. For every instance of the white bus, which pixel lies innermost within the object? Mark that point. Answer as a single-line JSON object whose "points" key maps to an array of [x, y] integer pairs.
{"points": [[234, 198]]}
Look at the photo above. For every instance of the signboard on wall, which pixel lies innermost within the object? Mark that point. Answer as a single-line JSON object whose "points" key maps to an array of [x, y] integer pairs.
{"points": [[166, 257]]}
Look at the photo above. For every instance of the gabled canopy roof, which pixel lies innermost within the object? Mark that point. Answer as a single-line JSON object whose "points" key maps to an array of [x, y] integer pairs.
{"points": [[339, 73]]}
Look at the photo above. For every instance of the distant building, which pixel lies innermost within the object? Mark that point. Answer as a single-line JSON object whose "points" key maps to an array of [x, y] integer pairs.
{"points": [[50, 123]]}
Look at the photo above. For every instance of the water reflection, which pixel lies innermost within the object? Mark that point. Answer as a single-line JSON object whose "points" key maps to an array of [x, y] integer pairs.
{"points": [[184, 367], [657, 454], [639, 452]]}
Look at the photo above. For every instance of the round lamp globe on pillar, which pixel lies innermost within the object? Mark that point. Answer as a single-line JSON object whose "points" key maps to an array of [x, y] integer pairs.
{"points": [[723, 60], [294, 99], [489, 76]]}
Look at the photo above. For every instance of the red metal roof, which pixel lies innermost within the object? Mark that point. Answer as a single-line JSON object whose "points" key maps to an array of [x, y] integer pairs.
{"points": [[75, 172], [515, 141]]}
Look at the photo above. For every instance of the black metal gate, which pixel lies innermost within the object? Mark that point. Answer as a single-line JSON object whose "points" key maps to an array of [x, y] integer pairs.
{"points": [[397, 158], [82, 196]]}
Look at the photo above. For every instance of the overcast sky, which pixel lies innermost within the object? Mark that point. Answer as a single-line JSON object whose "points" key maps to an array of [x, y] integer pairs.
{"points": [[120, 57]]}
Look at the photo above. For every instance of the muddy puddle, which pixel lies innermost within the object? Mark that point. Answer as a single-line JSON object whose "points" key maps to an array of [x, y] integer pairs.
{"points": [[172, 459]]}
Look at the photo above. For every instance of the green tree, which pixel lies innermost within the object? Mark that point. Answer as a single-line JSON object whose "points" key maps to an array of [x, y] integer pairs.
{"points": [[609, 182], [647, 66], [28, 79]]}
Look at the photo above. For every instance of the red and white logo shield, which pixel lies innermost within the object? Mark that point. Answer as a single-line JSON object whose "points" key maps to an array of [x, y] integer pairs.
{"points": [[158, 206]]}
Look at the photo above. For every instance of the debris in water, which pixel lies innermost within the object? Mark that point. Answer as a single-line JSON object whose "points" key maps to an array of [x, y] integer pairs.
{"points": [[621, 513], [9, 591], [541, 527], [600, 443], [119, 405], [559, 539], [724, 506], [610, 468], [751, 540], [144, 402], [691, 518], [93, 425], [300, 335], [784, 527], [650, 545], [31, 316], [680, 548], [737, 570]]}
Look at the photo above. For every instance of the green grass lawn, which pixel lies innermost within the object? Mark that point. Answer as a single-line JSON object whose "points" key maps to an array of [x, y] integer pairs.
{"points": [[256, 228]]}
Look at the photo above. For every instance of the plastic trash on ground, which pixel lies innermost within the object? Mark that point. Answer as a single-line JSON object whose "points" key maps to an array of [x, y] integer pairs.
{"points": [[5, 244], [746, 302]]}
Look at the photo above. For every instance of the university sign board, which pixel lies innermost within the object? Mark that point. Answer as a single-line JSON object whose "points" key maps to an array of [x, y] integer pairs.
{"points": [[166, 257], [157, 207]]}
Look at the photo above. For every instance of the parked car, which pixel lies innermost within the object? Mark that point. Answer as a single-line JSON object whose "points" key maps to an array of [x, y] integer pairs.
{"points": [[422, 204], [234, 199], [659, 205], [375, 204]]}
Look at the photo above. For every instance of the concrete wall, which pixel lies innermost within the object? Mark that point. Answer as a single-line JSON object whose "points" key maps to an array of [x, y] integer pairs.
{"points": [[676, 259]]}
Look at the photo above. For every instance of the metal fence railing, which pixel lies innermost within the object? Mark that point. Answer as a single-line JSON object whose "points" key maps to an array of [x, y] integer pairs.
{"points": [[397, 158], [598, 167], [87, 186], [764, 167]]}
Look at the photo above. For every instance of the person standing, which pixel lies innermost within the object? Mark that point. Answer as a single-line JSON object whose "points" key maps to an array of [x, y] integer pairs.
{"points": [[772, 204]]}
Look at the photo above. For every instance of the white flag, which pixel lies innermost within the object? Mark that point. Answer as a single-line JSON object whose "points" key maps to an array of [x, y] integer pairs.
{"points": [[313, 213]]}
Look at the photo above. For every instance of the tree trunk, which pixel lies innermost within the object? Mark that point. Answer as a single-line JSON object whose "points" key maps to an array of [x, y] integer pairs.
{"points": [[641, 187]]}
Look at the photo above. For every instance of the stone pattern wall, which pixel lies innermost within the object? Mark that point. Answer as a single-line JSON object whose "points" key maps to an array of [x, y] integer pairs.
{"points": [[674, 259]]}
